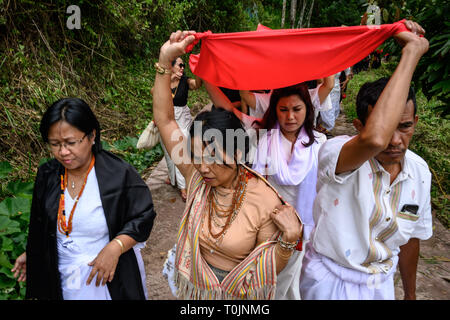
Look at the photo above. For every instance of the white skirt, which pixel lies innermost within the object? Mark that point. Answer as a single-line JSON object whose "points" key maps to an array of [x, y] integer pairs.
{"points": [[184, 119]]}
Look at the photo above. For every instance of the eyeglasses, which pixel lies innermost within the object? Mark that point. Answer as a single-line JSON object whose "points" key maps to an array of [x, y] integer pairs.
{"points": [[69, 145], [181, 65]]}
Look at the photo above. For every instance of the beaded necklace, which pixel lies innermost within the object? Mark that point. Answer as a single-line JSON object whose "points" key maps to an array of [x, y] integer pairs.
{"points": [[230, 214], [63, 227]]}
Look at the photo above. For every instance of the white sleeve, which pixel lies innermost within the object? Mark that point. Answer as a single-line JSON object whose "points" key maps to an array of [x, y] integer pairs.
{"points": [[424, 227], [328, 158], [262, 101], [314, 93]]}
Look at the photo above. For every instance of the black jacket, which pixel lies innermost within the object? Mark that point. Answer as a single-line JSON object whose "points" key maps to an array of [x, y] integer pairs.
{"points": [[128, 208]]}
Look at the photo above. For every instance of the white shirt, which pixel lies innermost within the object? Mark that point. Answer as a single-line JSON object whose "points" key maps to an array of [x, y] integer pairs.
{"points": [[358, 215], [88, 237]]}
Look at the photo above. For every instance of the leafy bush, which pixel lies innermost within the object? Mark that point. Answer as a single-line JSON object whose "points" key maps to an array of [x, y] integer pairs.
{"points": [[141, 159], [14, 218]]}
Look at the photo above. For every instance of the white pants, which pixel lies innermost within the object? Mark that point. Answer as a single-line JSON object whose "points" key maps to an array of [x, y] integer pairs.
{"points": [[184, 119], [323, 279]]}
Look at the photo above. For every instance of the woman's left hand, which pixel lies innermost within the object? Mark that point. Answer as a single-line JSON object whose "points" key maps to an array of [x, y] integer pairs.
{"points": [[286, 219], [104, 265]]}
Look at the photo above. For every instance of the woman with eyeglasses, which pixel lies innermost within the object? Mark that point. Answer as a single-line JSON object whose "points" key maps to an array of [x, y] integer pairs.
{"points": [[90, 214], [180, 85], [235, 235]]}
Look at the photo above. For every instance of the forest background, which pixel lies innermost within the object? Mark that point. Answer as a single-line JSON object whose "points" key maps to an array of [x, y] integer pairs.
{"points": [[108, 62]]}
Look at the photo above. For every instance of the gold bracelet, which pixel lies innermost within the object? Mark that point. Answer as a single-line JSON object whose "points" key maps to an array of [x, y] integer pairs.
{"points": [[285, 254], [287, 245], [162, 70], [120, 243]]}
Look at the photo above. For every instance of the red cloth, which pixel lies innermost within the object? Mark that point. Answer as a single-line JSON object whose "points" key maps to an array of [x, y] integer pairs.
{"points": [[269, 59]]}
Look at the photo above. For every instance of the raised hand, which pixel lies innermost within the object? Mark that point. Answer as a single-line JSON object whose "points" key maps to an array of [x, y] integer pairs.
{"points": [[412, 40], [175, 46]]}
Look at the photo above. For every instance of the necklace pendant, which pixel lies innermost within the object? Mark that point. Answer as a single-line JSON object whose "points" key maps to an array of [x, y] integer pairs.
{"points": [[211, 251], [73, 185]]}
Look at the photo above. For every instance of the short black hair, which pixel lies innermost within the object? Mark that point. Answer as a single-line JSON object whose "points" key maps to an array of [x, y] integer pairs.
{"points": [[370, 92], [77, 113], [222, 120]]}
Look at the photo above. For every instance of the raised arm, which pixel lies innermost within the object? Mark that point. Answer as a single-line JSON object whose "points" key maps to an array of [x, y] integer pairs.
{"points": [[163, 111], [249, 98], [220, 100], [195, 83], [325, 88], [381, 123]]}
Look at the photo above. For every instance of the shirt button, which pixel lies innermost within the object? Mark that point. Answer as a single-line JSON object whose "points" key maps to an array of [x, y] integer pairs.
{"points": [[387, 191]]}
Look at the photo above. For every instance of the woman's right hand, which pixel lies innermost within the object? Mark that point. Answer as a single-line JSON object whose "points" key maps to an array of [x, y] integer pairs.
{"points": [[175, 46], [20, 267]]}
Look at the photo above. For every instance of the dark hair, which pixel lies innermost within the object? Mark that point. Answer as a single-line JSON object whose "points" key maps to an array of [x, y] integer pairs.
{"points": [[370, 92], [301, 90], [175, 60], [77, 113], [222, 120]]}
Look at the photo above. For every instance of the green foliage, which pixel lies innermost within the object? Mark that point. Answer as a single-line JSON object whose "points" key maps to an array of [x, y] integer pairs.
{"points": [[433, 70], [141, 159], [431, 139], [14, 218], [336, 13]]}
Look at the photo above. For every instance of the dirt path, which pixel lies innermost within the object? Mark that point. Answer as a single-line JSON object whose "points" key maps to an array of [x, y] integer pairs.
{"points": [[433, 274]]}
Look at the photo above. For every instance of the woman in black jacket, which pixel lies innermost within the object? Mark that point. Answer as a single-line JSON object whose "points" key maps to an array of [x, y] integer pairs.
{"points": [[89, 209]]}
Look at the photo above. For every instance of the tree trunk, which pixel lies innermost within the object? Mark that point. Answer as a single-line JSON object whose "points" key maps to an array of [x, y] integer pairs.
{"points": [[283, 14], [302, 13], [293, 11], [310, 13]]}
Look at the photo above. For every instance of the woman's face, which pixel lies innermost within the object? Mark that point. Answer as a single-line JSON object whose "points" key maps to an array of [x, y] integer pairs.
{"points": [[70, 146], [211, 165], [178, 67], [291, 114]]}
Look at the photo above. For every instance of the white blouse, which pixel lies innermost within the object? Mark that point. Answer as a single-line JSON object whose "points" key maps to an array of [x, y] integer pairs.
{"points": [[88, 237]]}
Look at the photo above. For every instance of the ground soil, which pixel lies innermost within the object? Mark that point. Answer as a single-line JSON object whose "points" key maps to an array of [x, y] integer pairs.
{"points": [[433, 274]]}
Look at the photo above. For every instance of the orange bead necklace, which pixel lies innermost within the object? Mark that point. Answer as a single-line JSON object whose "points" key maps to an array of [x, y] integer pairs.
{"points": [[63, 227]]}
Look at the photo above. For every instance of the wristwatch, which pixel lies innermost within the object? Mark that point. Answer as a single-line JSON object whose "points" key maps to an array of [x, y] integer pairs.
{"points": [[162, 70]]}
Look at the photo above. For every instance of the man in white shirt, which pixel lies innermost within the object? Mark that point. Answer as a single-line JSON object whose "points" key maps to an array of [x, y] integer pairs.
{"points": [[373, 194]]}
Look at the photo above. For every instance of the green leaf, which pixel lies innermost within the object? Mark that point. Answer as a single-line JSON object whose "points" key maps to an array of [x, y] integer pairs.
{"points": [[4, 261], [17, 205], [7, 244], [8, 226], [7, 272], [5, 169], [19, 187]]}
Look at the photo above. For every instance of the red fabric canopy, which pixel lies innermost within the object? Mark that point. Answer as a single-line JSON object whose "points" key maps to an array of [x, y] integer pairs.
{"points": [[269, 59]]}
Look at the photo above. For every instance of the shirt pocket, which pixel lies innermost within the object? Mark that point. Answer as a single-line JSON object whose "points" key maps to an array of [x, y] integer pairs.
{"points": [[407, 223], [407, 216]]}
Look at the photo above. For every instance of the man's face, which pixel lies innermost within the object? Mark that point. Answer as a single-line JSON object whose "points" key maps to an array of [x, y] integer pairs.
{"points": [[399, 143]]}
